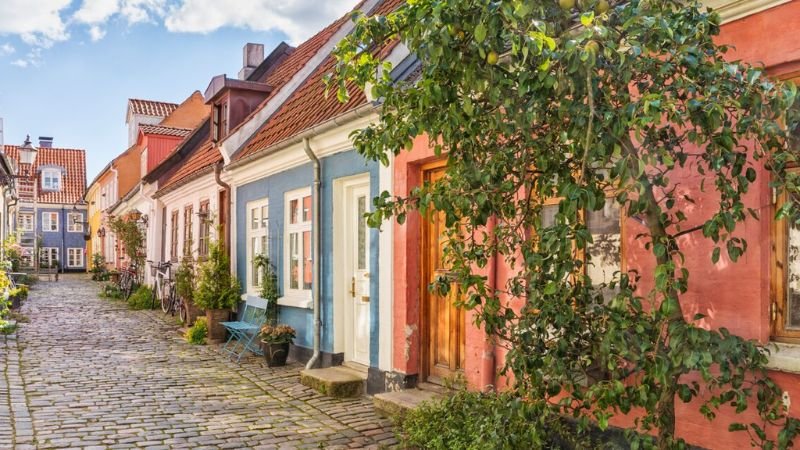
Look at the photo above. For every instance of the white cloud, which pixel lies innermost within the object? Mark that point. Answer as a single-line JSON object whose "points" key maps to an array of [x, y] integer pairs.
{"points": [[96, 33], [37, 22], [41, 23], [299, 19], [96, 11]]}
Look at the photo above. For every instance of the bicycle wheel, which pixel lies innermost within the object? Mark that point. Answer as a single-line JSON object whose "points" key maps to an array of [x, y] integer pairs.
{"points": [[183, 312], [165, 299], [153, 296], [129, 288]]}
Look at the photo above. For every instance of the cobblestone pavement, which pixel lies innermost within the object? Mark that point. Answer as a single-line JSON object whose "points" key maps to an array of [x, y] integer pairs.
{"points": [[88, 373]]}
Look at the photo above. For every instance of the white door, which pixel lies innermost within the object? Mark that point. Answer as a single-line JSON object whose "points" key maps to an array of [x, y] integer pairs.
{"points": [[357, 281]]}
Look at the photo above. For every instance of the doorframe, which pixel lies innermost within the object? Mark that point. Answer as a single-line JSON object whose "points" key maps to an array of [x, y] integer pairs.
{"points": [[424, 314], [341, 258]]}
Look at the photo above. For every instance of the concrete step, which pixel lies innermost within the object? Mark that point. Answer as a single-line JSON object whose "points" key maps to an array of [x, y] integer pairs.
{"points": [[399, 402], [336, 381]]}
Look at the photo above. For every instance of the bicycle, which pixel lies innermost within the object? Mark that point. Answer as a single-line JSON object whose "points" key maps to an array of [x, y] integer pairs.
{"points": [[164, 291], [128, 279]]}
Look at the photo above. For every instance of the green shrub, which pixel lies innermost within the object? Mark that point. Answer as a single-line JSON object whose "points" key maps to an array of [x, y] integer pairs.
{"points": [[28, 279], [111, 291], [475, 420], [198, 332], [141, 299], [215, 287]]}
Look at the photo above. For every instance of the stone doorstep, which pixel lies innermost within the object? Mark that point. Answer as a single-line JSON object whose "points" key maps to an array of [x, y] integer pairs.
{"points": [[338, 381], [398, 402]]}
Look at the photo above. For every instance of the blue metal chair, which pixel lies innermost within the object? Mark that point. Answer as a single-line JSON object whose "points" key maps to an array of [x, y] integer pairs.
{"points": [[243, 333]]}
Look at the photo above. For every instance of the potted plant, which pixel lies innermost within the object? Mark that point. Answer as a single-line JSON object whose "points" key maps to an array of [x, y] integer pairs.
{"points": [[184, 287], [275, 340], [216, 291]]}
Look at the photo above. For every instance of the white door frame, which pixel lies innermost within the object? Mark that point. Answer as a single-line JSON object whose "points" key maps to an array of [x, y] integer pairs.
{"points": [[343, 308]]}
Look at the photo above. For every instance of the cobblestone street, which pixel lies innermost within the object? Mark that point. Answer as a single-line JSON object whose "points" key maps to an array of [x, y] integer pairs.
{"points": [[88, 373]]}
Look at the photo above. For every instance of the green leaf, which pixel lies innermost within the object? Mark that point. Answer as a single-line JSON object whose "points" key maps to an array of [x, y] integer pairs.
{"points": [[480, 33], [587, 18]]}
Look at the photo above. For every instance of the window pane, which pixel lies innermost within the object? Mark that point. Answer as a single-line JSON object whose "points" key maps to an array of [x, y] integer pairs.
{"points": [[604, 252], [254, 219], [306, 208], [293, 205], [362, 233], [264, 217], [306, 260], [294, 261], [254, 269], [549, 215], [793, 279]]}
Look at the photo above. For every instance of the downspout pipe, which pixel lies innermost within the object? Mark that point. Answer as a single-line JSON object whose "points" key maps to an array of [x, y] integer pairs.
{"points": [[315, 215], [227, 189], [488, 369]]}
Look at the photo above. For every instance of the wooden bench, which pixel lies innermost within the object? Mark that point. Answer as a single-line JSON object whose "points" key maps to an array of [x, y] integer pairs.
{"points": [[243, 332]]}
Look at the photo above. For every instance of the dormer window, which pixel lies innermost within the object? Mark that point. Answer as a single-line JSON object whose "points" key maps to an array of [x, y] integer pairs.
{"points": [[51, 180], [219, 121]]}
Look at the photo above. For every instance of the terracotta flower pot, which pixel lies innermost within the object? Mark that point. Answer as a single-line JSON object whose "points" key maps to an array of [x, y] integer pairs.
{"points": [[194, 312], [275, 353], [215, 317]]}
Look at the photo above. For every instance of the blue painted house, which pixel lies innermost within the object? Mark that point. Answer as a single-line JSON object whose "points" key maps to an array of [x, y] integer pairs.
{"points": [[49, 217], [299, 195]]}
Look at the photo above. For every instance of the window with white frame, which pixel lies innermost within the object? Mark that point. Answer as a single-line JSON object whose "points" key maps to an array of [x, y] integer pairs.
{"points": [[51, 180], [50, 221], [257, 239], [297, 243], [25, 222], [75, 257], [48, 257], [26, 257], [75, 222]]}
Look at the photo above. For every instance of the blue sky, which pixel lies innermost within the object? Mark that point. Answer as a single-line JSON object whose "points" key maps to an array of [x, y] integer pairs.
{"points": [[69, 72]]}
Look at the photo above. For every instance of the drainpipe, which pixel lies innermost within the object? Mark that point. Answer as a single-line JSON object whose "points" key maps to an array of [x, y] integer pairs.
{"points": [[489, 362], [315, 255], [227, 189]]}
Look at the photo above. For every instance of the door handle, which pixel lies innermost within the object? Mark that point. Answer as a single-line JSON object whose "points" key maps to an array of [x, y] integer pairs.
{"points": [[353, 287]]}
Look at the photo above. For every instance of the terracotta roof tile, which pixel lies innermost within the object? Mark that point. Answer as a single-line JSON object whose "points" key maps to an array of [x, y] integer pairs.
{"points": [[308, 105], [205, 156], [73, 182], [278, 77], [151, 107], [165, 131]]}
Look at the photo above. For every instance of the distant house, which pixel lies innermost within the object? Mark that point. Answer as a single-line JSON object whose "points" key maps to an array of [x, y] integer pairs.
{"points": [[155, 130], [49, 218]]}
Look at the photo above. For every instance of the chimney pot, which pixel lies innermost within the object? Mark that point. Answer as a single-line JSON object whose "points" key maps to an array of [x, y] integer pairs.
{"points": [[252, 56], [45, 142]]}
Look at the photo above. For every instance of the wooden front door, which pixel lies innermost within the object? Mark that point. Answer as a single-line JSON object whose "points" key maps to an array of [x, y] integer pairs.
{"points": [[443, 323]]}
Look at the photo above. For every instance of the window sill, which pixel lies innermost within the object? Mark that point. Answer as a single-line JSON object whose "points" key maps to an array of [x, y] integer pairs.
{"points": [[785, 359], [296, 301]]}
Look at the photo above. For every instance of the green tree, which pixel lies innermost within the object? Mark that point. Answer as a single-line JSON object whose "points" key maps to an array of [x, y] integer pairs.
{"points": [[131, 234], [215, 287], [543, 101]]}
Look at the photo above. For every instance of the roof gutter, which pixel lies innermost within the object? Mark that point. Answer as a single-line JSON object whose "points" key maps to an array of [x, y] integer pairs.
{"points": [[335, 122], [315, 255]]}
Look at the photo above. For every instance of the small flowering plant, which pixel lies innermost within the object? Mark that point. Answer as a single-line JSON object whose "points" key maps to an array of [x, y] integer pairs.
{"points": [[277, 334]]}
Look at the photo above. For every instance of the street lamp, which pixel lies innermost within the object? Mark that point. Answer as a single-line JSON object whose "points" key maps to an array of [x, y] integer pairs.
{"points": [[27, 153]]}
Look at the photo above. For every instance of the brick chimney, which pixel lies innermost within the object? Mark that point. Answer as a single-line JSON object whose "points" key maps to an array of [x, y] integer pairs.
{"points": [[253, 55], [45, 142]]}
